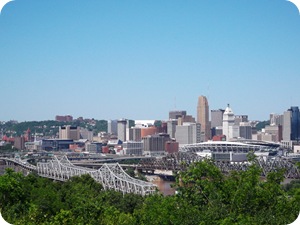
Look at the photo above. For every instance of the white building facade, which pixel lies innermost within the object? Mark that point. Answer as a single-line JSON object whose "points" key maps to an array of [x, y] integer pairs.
{"points": [[230, 130]]}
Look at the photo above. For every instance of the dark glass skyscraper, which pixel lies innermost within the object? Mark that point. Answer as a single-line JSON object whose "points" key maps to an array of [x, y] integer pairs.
{"points": [[295, 123]]}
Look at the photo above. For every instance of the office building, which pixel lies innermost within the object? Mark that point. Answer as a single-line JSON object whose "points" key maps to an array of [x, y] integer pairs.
{"points": [[295, 134], [171, 127], [291, 124], [19, 143], [56, 144], [173, 115], [94, 147], [133, 147], [217, 117], [161, 126], [69, 132], [245, 130], [86, 134], [188, 133], [203, 117], [154, 145], [240, 118], [275, 130], [217, 131], [276, 119], [122, 125], [134, 134], [186, 119], [262, 136], [112, 127], [287, 126]]}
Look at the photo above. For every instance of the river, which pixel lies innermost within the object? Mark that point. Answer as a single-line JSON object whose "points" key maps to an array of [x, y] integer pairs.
{"points": [[163, 186]]}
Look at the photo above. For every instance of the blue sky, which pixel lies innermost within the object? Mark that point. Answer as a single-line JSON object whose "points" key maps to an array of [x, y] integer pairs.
{"points": [[141, 59]]}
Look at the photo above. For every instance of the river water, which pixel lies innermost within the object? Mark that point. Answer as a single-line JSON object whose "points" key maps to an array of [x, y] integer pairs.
{"points": [[163, 186]]}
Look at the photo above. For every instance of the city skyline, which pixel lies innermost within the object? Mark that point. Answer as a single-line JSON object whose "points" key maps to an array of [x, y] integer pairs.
{"points": [[140, 60]]}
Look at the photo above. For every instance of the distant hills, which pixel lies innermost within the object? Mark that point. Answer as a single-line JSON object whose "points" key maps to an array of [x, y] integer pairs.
{"points": [[49, 128]]}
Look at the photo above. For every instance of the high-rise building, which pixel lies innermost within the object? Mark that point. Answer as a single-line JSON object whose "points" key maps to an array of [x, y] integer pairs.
{"points": [[188, 133], [69, 132], [154, 145], [217, 117], [173, 115], [186, 119], [162, 127], [295, 135], [134, 134], [245, 130], [19, 143], [112, 127], [276, 119], [287, 126], [171, 128], [291, 124], [86, 134], [230, 130], [240, 118], [275, 130], [122, 124], [203, 116]]}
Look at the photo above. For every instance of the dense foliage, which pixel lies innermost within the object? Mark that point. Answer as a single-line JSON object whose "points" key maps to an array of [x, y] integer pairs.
{"points": [[205, 196]]}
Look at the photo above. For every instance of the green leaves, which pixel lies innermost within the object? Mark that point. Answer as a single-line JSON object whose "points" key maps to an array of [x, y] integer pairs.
{"points": [[238, 198], [205, 196]]}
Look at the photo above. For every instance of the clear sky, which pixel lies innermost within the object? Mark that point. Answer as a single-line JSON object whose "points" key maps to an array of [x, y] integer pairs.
{"points": [[140, 59]]}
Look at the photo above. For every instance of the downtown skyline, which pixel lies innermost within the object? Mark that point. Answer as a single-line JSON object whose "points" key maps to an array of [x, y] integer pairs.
{"points": [[140, 60]]}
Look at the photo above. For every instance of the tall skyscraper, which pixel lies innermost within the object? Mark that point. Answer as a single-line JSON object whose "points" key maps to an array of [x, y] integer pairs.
{"points": [[217, 117], [287, 125], [203, 117], [112, 127], [122, 124], [171, 128], [291, 124], [188, 133], [245, 130], [295, 123]]}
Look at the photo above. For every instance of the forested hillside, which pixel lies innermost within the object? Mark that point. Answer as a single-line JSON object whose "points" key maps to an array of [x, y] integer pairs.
{"points": [[49, 127]]}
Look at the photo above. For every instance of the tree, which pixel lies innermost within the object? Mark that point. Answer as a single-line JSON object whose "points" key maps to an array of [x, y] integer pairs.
{"points": [[240, 197]]}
